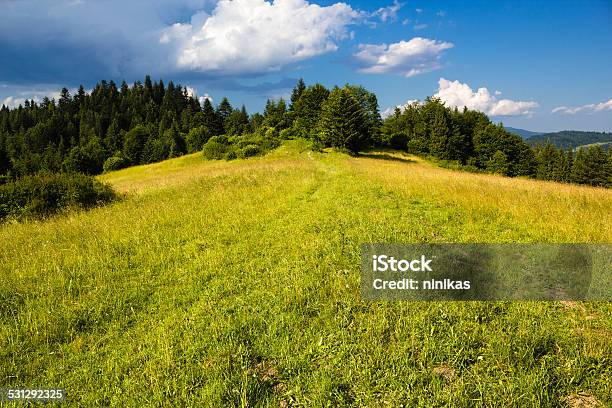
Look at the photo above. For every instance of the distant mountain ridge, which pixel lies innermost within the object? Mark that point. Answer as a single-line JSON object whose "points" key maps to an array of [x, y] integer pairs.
{"points": [[525, 134], [564, 139], [571, 138]]}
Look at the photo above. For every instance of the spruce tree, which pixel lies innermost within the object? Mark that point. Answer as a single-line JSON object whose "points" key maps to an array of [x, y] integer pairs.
{"points": [[590, 166], [561, 171], [134, 143], [210, 118], [222, 113], [439, 135], [297, 93], [307, 109], [548, 158], [608, 168], [342, 123]]}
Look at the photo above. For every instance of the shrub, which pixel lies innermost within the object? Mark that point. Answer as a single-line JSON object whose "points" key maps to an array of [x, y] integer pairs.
{"points": [[398, 141], [286, 134], [498, 164], [249, 151], [86, 159], [231, 155], [214, 149], [196, 138], [114, 163], [47, 193]]}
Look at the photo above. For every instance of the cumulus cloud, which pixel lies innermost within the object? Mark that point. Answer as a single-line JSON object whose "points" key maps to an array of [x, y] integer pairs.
{"points": [[192, 93], [88, 40], [457, 94], [389, 111], [205, 97], [590, 108], [407, 58], [12, 102], [389, 12], [256, 36], [37, 95]]}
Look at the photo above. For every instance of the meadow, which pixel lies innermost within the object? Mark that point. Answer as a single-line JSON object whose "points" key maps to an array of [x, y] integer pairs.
{"points": [[214, 283]]}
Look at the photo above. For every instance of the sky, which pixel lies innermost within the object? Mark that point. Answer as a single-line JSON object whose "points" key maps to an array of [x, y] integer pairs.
{"points": [[536, 65]]}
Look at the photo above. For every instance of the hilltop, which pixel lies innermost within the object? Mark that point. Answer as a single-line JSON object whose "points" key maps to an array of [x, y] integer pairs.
{"points": [[237, 283]]}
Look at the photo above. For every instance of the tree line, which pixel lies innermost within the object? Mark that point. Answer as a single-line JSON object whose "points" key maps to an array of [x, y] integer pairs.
{"points": [[114, 127], [470, 139]]}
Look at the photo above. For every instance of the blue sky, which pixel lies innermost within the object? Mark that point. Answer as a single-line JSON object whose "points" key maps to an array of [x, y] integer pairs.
{"points": [[537, 65]]}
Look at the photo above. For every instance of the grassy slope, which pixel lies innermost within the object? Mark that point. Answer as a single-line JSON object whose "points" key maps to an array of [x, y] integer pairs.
{"points": [[234, 284]]}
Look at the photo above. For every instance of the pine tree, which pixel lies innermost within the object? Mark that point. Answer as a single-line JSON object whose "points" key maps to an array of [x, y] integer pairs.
{"points": [[439, 135], [608, 168], [148, 89], [561, 171], [526, 163], [112, 141], [237, 122], [547, 158], [223, 111], [342, 123], [307, 109], [134, 143], [590, 167], [210, 118], [297, 93]]}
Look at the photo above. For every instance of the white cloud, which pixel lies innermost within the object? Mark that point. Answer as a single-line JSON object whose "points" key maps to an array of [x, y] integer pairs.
{"points": [[590, 108], [206, 96], [389, 12], [457, 94], [408, 58], [36, 95], [418, 27], [192, 93], [12, 102], [256, 36], [389, 111]]}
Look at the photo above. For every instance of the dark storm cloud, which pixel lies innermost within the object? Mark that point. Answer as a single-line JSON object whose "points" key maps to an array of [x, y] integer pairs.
{"points": [[81, 40]]}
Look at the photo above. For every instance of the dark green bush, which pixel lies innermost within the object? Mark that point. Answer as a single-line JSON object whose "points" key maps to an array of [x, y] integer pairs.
{"points": [[231, 155], [398, 141], [196, 138], [47, 193], [286, 134], [114, 163], [214, 149], [249, 151]]}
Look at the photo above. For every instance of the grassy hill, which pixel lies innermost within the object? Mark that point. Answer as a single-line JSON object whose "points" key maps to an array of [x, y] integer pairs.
{"points": [[571, 138], [237, 284]]}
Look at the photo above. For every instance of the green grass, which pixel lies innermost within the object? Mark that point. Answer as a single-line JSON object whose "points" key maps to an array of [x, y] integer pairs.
{"points": [[237, 284]]}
